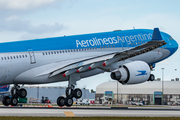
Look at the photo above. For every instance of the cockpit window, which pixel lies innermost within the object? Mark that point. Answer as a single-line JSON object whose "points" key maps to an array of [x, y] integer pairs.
{"points": [[170, 38]]}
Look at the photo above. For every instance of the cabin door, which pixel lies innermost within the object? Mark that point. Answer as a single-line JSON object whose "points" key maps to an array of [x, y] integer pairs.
{"points": [[32, 56]]}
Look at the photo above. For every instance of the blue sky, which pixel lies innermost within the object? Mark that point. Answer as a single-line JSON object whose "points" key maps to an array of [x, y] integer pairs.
{"points": [[28, 19]]}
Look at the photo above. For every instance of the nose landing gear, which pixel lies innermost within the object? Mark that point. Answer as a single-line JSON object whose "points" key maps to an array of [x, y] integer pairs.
{"points": [[151, 77]]}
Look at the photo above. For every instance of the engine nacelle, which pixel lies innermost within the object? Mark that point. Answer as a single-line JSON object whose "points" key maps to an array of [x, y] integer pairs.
{"points": [[132, 73]]}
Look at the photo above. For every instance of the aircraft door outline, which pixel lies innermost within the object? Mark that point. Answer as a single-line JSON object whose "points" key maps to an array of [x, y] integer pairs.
{"points": [[32, 56]]}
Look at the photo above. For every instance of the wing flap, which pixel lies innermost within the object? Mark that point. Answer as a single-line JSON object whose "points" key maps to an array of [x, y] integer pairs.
{"points": [[80, 64]]}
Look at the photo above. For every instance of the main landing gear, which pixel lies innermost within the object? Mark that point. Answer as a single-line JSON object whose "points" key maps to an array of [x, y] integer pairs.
{"points": [[70, 93], [16, 92]]}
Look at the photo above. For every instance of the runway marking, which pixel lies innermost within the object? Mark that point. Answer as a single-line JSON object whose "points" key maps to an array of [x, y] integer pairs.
{"points": [[69, 114]]}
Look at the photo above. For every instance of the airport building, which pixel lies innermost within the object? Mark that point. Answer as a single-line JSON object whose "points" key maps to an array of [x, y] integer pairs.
{"points": [[35, 93], [156, 92], [114, 92]]}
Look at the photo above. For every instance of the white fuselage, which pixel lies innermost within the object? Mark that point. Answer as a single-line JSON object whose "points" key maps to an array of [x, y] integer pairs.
{"points": [[27, 70]]}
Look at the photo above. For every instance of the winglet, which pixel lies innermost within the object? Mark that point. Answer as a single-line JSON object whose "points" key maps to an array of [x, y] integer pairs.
{"points": [[156, 34]]}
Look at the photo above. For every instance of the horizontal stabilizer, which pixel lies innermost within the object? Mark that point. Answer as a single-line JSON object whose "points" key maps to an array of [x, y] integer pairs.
{"points": [[156, 34]]}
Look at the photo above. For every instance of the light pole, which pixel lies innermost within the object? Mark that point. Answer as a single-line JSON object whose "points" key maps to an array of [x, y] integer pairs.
{"points": [[176, 75], [162, 85], [117, 92], [38, 92]]}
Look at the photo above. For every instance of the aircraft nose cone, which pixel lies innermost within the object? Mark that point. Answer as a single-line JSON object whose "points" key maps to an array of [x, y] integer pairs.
{"points": [[175, 45]]}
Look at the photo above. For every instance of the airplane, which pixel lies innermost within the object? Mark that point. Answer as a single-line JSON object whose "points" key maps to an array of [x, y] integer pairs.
{"points": [[129, 55]]}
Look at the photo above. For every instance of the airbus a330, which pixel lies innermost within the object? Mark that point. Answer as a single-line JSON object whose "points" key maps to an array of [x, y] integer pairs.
{"points": [[129, 55]]}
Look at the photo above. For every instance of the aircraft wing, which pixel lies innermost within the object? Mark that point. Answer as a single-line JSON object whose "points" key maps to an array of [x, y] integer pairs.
{"points": [[108, 59]]}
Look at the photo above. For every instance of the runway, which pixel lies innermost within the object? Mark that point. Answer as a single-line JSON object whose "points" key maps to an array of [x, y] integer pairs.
{"points": [[89, 112]]}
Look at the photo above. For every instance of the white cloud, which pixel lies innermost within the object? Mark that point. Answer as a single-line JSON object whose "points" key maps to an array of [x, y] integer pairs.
{"points": [[14, 17], [27, 28], [23, 4]]}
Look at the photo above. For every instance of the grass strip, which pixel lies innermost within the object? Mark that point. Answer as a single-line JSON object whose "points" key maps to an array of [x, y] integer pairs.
{"points": [[88, 118]]}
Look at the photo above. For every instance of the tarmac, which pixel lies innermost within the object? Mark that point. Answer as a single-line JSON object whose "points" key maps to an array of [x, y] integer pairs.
{"points": [[89, 111]]}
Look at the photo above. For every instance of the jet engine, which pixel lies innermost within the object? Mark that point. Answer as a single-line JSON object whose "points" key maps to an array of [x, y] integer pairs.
{"points": [[132, 73]]}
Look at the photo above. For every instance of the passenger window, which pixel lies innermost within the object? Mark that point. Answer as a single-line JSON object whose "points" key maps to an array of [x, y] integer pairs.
{"points": [[11, 57], [43, 53], [2, 58], [8, 58], [23, 56], [54, 52], [14, 57], [51, 52], [5, 58], [19, 56], [46, 53], [26, 55], [57, 52]]}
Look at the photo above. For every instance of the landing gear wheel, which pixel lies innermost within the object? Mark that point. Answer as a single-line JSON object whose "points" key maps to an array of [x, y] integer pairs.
{"points": [[152, 77], [22, 93], [68, 101], [14, 101], [6, 100], [15, 95], [61, 101], [69, 91], [77, 93]]}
